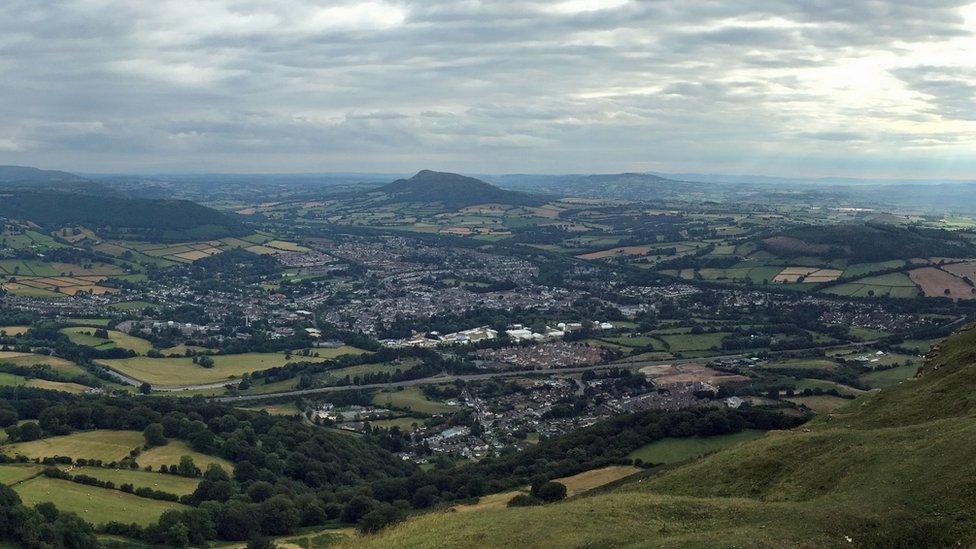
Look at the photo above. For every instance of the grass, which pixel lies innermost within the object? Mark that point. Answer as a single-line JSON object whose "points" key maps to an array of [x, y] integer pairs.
{"points": [[804, 364], [820, 403], [171, 453], [411, 398], [96, 505], [141, 479], [105, 445], [81, 335], [11, 474], [404, 423], [13, 380], [673, 450], [182, 370], [891, 376], [679, 343], [14, 330], [891, 469]]}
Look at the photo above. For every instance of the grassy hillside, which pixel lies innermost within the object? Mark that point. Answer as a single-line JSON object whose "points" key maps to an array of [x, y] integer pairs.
{"points": [[892, 468], [453, 191]]}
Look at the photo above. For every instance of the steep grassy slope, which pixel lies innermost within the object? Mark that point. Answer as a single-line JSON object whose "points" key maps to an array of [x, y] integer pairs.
{"points": [[892, 469]]}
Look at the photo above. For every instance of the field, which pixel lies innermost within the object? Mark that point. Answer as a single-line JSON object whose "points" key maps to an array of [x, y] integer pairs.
{"points": [[182, 370], [411, 398], [13, 380], [672, 450], [938, 283], [157, 481], [889, 285], [804, 364], [10, 474], [575, 485], [102, 444], [28, 359], [172, 452], [13, 330], [820, 403], [891, 376], [96, 505], [85, 336], [679, 343]]}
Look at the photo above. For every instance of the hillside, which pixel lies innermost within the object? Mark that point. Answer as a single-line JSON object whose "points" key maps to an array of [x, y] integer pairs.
{"points": [[117, 216], [451, 190], [891, 469], [868, 242], [25, 174]]}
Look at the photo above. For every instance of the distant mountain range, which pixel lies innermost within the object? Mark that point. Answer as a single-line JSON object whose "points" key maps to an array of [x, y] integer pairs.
{"points": [[26, 174], [452, 190]]}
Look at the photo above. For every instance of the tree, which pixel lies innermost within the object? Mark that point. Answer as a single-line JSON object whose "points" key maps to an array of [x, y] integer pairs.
{"points": [[154, 435], [261, 542], [551, 491], [279, 516], [145, 388]]}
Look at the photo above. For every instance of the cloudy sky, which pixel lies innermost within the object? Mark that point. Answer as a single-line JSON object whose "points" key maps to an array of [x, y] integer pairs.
{"points": [[874, 88]]}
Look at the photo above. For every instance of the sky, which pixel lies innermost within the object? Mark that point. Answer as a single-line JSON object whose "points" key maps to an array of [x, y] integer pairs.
{"points": [[856, 88]]}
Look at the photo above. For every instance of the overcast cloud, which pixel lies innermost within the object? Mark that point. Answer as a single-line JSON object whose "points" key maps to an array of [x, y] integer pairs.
{"points": [[882, 88]]}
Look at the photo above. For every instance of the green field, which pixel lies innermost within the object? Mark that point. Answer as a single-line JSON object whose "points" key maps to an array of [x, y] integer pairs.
{"points": [[804, 364], [13, 380], [96, 505], [411, 398], [171, 453], [404, 423], [10, 474], [889, 285], [673, 450], [172, 484], [81, 335], [679, 343], [182, 370], [891, 376], [102, 444], [28, 359]]}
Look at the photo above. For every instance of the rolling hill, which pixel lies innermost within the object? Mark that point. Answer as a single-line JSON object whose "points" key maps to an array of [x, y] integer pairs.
{"points": [[451, 190], [26, 174], [116, 216], [891, 469]]}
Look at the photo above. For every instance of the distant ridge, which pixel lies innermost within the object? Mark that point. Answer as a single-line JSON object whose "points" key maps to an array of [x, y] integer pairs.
{"points": [[27, 174], [453, 191]]}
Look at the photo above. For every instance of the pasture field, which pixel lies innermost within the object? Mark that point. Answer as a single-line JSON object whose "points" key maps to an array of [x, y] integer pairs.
{"points": [[275, 409], [411, 398], [96, 505], [803, 364], [30, 359], [404, 423], [171, 453], [575, 485], [13, 380], [182, 370], [12, 331], [820, 403], [861, 269], [672, 450], [889, 377], [938, 283], [889, 285], [11, 474], [141, 479], [105, 445], [81, 335], [679, 343], [363, 369], [808, 383]]}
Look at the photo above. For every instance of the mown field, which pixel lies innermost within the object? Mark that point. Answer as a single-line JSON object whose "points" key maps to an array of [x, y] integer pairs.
{"points": [[172, 484], [96, 505], [13, 380], [182, 370], [410, 398], [81, 335], [171, 453], [105, 445]]}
